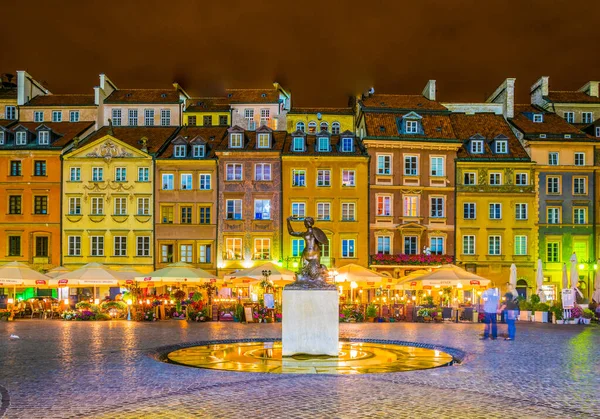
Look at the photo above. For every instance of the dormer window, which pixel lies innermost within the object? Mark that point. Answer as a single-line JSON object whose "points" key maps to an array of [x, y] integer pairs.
{"points": [[263, 141], [347, 145], [567, 136], [21, 138], [411, 127], [44, 137], [323, 144], [542, 135], [501, 146], [300, 126], [235, 140], [477, 146], [312, 127], [538, 117], [335, 128], [179, 151], [324, 126], [298, 144], [198, 151]]}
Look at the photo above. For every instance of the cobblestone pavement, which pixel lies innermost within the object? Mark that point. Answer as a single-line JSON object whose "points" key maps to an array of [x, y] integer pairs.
{"points": [[63, 369]]}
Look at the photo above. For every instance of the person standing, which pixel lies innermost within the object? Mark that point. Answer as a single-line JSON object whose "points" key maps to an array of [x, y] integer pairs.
{"points": [[511, 306], [491, 298]]}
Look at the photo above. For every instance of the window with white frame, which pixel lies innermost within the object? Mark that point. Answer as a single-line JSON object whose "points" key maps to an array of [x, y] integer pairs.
{"points": [[249, 116], [265, 116], [120, 174], [299, 209], [436, 245], [205, 253], [579, 159], [97, 207], [323, 177], [553, 158], [323, 211], [186, 182], [179, 150], [494, 247], [495, 211], [43, 137], [97, 174], [75, 174], [38, 116], [348, 248], [133, 117], [75, 206], [324, 126], [21, 138], [262, 249], [298, 144], [263, 141], [553, 215], [116, 117], [495, 179], [325, 249], [411, 206], [587, 117], [168, 181], [298, 177], [469, 178], [437, 207], [56, 116], [297, 247], [384, 205], [521, 211], [469, 210], [10, 112], [148, 117], [468, 243], [335, 128], [437, 166], [198, 150], [120, 246], [143, 206], [165, 117], [347, 145], [384, 245], [300, 126], [553, 185], [348, 211], [235, 140], [120, 206], [569, 117], [143, 246], [74, 246], [501, 146], [477, 146], [234, 209], [312, 127], [520, 245], [143, 174], [234, 172], [323, 144], [186, 253], [579, 215], [411, 245], [521, 179], [538, 118], [97, 245], [74, 116], [262, 209], [579, 186], [233, 248], [410, 166], [411, 127], [262, 171], [384, 164], [204, 182], [348, 177]]}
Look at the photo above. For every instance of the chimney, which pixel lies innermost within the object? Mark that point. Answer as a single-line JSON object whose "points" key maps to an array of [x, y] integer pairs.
{"points": [[590, 88], [539, 91], [429, 90], [505, 94]]}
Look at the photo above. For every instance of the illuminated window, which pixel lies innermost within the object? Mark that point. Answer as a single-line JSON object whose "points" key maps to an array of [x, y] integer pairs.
{"points": [[262, 249], [233, 248]]}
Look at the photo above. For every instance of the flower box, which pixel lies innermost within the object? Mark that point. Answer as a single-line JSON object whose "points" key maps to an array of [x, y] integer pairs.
{"points": [[541, 316]]}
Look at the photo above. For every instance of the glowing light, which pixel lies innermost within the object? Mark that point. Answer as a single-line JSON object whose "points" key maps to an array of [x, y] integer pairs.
{"points": [[172, 301], [129, 302], [414, 297], [221, 265], [595, 266], [96, 301], [440, 293], [11, 301], [66, 301], [295, 264], [247, 264], [438, 286], [581, 266], [353, 285], [459, 285], [148, 301], [276, 262]]}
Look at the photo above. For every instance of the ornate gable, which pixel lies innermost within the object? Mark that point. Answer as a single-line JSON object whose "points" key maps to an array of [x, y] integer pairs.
{"points": [[107, 148]]}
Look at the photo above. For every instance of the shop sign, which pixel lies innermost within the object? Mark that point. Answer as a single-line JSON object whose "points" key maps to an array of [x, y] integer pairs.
{"points": [[426, 287], [474, 282], [40, 282], [147, 278], [213, 280], [129, 281], [63, 281]]}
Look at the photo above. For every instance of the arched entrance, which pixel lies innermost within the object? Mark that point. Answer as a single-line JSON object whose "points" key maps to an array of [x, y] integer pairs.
{"points": [[522, 288]]}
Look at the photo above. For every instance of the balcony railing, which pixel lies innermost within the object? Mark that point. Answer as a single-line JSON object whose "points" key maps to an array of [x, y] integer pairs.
{"points": [[402, 259]]}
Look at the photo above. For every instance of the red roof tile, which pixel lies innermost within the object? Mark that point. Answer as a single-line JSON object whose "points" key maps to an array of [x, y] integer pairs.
{"points": [[65, 130], [571, 97], [8, 93], [141, 96], [156, 136], [252, 95], [386, 125], [62, 100], [207, 104], [414, 102], [211, 135], [552, 124]]}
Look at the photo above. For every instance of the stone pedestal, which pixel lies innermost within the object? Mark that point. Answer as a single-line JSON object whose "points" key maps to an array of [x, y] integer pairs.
{"points": [[310, 322]]}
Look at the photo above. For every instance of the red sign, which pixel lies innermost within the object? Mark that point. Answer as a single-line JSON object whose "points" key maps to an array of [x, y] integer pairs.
{"points": [[246, 281], [388, 286], [40, 282], [213, 280], [129, 281], [389, 280], [413, 284], [370, 283], [474, 282], [426, 287], [63, 281], [147, 278]]}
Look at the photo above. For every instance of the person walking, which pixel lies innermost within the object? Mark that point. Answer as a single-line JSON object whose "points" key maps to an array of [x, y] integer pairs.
{"points": [[512, 307], [491, 298]]}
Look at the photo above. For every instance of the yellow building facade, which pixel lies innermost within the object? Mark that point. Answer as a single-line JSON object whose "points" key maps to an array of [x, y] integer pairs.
{"points": [[107, 203], [207, 112], [315, 120], [326, 177]]}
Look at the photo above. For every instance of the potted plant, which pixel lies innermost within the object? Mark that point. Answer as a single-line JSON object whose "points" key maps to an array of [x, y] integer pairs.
{"points": [[238, 315], [557, 313], [576, 313], [524, 310], [371, 312], [541, 312], [587, 316]]}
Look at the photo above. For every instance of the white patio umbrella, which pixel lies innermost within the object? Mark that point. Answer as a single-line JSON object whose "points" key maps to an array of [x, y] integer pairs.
{"points": [[574, 274], [359, 274], [278, 275], [513, 279], [18, 273], [54, 272], [176, 273], [565, 277], [596, 295], [92, 274], [539, 279]]}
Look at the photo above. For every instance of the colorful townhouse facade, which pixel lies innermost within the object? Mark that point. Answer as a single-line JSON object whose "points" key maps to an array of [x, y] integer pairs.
{"points": [[107, 198], [207, 112], [186, 198], [249, 198], [325, 177], [254, 108], [412, 148]]}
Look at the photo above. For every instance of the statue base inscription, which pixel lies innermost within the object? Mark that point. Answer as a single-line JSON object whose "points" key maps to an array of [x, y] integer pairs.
{"points": [[310, 321]]}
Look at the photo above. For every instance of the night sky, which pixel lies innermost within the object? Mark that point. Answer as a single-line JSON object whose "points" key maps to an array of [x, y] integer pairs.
{"points": [[322, 51]]}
